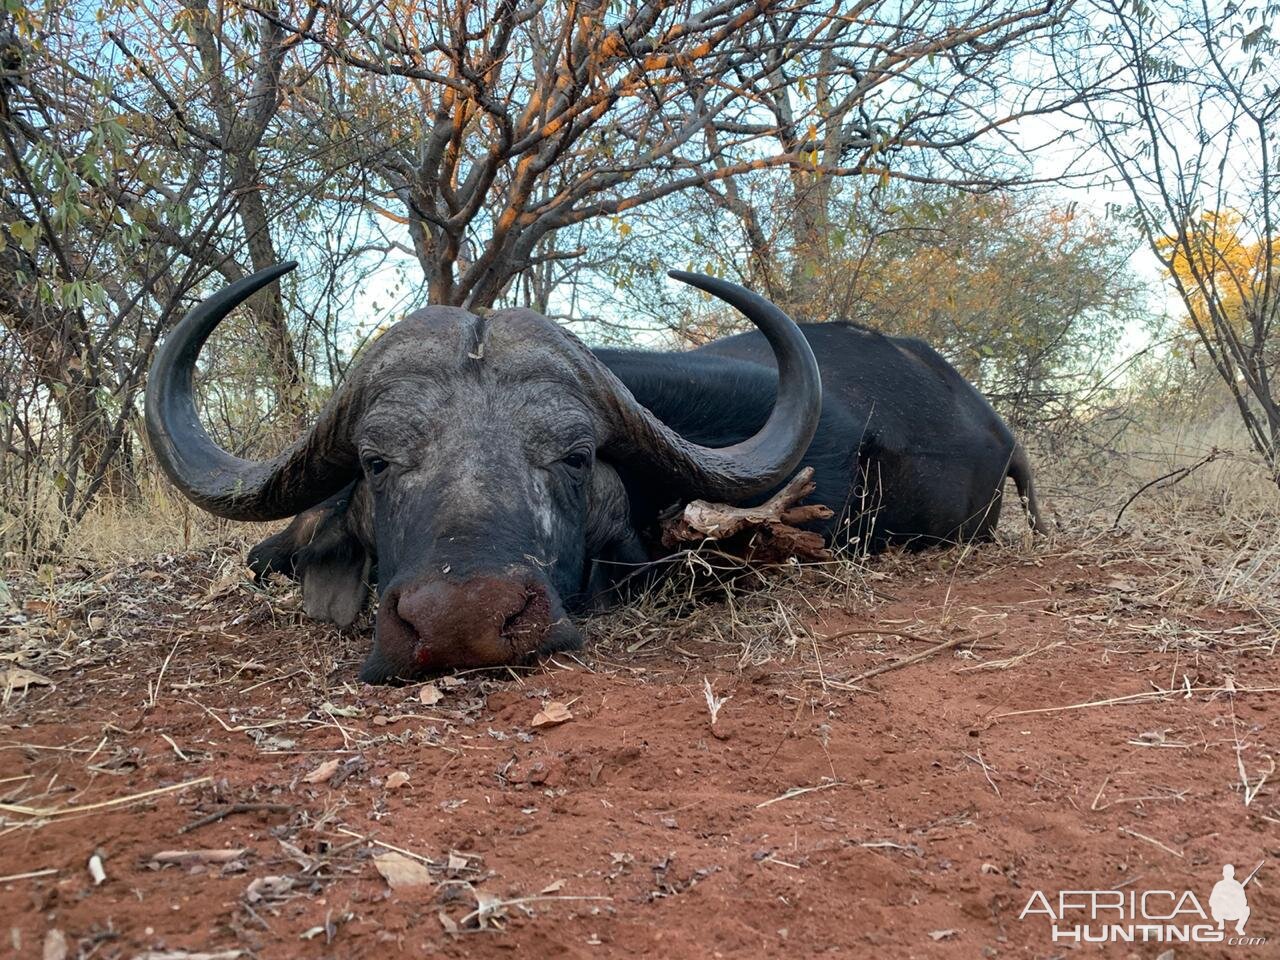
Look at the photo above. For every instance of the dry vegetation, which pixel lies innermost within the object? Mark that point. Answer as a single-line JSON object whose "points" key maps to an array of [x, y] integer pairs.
{"points": [[856, 756], [950, 729]]}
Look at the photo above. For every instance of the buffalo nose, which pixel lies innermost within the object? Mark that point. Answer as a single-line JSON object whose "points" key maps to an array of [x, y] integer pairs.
{"points": [[483, 620]]}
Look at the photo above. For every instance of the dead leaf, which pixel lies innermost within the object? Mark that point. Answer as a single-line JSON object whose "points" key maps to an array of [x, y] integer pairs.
{"points": [[229, 583], [334, 711], [552, 714], [268, 888], [40, 608], [55, 946], [456, 862], [324, 771], [19, 678], [270, 743], [942, 934], [397, 780], [555, 886], [488, 908], [446, 921], [400, 871], [348, 768], [1122, 584], [429, 696]]}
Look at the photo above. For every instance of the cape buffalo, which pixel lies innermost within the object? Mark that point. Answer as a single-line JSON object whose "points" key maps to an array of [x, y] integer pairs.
{"points": [[496, 473]]}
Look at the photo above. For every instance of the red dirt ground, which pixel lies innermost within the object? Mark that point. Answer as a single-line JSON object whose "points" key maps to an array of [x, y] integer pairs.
{"points": [[934, 807]]}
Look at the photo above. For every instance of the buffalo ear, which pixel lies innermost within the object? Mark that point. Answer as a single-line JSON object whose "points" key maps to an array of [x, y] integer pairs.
{"points": [[322, 548], [334, 587]]}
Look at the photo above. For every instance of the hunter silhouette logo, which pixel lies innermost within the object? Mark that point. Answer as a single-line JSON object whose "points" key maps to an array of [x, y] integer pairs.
{"points": [[1149, 916], [1229, 901]]}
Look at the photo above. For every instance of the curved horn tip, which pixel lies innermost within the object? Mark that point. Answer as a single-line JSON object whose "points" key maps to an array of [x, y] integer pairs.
{"points": [[718, 287], [251, 284], [247, 286]]}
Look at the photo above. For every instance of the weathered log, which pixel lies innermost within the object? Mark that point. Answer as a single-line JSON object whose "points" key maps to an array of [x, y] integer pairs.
{"points": [[768, 533]]}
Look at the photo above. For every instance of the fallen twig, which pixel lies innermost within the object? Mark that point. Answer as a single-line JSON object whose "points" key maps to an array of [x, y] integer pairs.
{"points": [[1009, 661], [240, 728], [1151, 840], [219, 855], [922, 655], [800, 791], [46, 813], [875, 631], [29, 875], [234, 809], [387, 846], [1179, 475], [1132, 698], [986, 771], [494, 906]]}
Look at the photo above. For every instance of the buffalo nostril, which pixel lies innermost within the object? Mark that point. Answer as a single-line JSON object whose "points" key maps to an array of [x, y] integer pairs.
{"points": [[529, 621], [512, 620]]}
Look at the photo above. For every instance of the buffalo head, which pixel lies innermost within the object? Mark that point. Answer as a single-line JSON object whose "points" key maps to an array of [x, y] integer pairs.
{"points": [[489, 447]]}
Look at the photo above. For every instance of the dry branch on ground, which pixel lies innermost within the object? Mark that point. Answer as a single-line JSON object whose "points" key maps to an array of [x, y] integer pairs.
{"points": [[769, 533]]}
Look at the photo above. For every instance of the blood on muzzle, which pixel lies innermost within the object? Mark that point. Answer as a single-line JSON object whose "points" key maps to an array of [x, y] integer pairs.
{"points": [[483, 620]]}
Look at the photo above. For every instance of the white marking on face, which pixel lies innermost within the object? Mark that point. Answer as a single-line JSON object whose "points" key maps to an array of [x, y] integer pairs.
{"points": [[542, 513]]}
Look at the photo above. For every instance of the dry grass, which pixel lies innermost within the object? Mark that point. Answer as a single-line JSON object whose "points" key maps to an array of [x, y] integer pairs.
{"points": [[708, 598], [155, 521], [162, 522], [1221, 523], [1213, 538]]}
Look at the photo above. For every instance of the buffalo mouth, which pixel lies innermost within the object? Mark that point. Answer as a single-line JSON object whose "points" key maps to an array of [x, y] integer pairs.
{"points": [[426, 628], [378, 669]]}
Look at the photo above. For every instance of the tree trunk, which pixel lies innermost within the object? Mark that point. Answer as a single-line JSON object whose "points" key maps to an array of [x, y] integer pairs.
{"points": [[267, 305]]}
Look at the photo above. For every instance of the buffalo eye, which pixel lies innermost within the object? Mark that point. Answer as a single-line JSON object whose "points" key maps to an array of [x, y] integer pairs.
{"points": [[576, 459], [374, 465]]}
